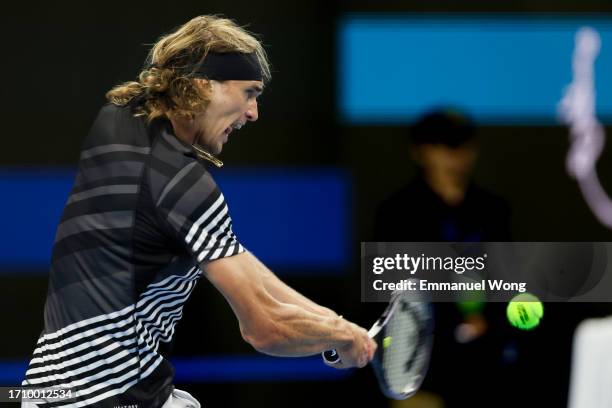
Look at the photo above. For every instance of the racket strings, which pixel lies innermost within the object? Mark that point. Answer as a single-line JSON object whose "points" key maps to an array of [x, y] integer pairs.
{"points": [[406, 356]]}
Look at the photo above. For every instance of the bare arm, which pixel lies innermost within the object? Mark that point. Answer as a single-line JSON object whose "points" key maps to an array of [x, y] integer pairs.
{"points": [[279, 328], [285, 293]]}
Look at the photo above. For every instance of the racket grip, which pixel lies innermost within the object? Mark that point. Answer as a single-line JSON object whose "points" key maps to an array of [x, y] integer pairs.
{"points": [[331, 356]]}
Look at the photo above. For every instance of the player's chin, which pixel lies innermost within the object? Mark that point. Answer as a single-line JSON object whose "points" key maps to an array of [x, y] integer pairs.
{"points": [[216, 148]]}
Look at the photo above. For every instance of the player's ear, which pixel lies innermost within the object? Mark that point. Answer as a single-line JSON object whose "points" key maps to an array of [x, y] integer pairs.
{"points": [[205, 86], [203, 82]]}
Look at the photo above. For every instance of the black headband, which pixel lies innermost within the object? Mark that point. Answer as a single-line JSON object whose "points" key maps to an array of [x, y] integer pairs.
{"points": [[229, 66]]}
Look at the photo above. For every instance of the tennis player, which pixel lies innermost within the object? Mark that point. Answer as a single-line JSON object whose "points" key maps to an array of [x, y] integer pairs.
{"points": [[145, 220]]}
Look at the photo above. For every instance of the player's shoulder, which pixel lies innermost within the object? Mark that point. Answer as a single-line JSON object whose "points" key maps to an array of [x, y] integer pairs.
{"points": [[191, 180], [175, 171], [119, 125], [117, 115], [171, 153]]}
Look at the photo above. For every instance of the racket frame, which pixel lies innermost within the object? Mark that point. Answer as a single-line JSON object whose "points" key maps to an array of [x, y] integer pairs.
{"points": [[332, 356]]}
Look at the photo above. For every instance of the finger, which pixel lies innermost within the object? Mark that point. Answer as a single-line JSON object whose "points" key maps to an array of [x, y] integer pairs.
{"points": [[365, 360], [365, 356], [361, 362], [373, 348]]}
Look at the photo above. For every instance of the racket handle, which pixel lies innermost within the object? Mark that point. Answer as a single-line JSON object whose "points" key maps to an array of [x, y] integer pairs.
{"points": [[331, 356]]}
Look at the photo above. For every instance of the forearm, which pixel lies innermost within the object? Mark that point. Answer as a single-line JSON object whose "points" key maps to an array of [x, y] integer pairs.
{"points": [[294, 327], [286, 294], [298, 332]]}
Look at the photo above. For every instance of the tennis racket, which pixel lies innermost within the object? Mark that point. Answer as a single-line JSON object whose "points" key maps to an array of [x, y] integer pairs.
{"points": [[404, 334]]}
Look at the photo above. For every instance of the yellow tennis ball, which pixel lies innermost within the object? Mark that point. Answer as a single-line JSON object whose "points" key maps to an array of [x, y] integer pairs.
{"points": [[386, 341], [525, 311]]}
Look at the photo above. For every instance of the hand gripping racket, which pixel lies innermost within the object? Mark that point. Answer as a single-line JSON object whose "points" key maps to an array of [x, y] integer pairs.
{"points": [[404, 334]]}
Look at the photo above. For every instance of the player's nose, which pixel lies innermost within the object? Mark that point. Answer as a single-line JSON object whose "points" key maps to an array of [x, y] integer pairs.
{"points": [[252, 113]]}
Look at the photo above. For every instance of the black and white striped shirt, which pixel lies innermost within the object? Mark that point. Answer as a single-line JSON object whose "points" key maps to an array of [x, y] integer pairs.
{"points": [[142, 216]]}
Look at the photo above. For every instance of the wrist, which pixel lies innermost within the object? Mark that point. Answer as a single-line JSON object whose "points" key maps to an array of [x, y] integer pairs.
{"points": [[345, 333]]}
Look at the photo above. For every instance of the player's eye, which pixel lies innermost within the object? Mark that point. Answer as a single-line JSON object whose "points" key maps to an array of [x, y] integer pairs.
{"points": [[253, 92]]}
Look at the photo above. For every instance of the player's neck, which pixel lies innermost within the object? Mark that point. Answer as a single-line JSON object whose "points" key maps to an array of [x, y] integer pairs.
{"points": [[183, 131]]}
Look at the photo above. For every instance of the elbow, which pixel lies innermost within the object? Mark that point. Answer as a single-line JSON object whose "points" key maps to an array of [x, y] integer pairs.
{"points": [[265, 339], [262, 343]]}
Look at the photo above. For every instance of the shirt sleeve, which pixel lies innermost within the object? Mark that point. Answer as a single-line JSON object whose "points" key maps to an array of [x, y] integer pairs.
{"points": [[194, 209]]}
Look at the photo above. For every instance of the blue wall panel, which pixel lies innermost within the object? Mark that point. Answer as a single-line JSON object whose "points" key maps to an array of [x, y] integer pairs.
{"points": [[503, 69], [293, 219]]}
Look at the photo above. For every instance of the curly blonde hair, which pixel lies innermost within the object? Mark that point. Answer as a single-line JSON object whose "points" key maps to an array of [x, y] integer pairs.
{"points": [[166, 87]]}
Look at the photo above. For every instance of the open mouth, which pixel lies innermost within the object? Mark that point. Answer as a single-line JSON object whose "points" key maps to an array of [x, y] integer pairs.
{"points": [[231, 128]]}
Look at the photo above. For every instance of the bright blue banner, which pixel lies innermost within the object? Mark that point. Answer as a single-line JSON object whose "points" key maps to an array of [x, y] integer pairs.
{"points": [[221, 369], [253, 368], [293, 219], [500, 68]]}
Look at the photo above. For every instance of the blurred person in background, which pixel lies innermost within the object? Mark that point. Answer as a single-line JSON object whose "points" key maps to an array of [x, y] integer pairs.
{"points": [[451, 207], [443, 204], [145, 220]]}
